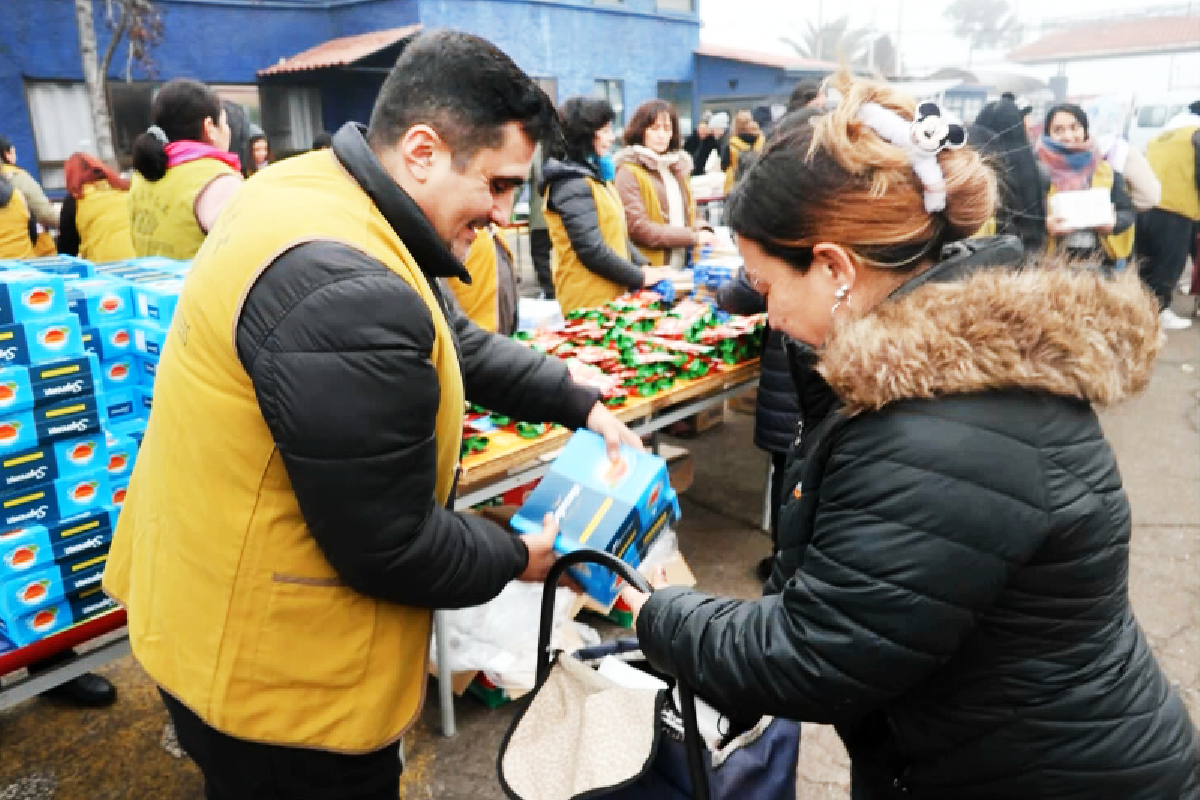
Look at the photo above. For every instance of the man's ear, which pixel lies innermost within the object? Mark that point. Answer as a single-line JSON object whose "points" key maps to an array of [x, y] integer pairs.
{"points": [[417, 150]]}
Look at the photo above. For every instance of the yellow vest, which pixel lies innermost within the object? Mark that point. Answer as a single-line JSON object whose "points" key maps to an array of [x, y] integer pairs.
{"points": [[102, 219], [658, 257], [575, 285], [736, 148], [480, 298], [162, 213], [233, 609], [1116, 246], [1173, 157], [14, 222]]}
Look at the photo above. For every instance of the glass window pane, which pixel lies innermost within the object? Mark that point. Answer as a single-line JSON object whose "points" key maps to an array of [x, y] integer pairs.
{"points": [[686, 6], [614, 92], [679, 95], [62, 120]]}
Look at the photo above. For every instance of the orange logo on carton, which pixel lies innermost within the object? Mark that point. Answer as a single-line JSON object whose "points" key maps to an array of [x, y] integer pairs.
{"points": [[21, 557], [118, 372], [111, 303], [120, 338], [654, 493], [35, 591], [8, 393], [44, 620], [82, 453], [9, 432], [55, 338], [39, 298], [117, 461], [119, 496], [84, 492]]}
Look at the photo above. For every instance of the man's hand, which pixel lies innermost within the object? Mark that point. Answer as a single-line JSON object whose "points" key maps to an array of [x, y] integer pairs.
{"points": [[706, 237], [602, 421], [635, 598], [652, 275], [541, 551], [1057, 226]]}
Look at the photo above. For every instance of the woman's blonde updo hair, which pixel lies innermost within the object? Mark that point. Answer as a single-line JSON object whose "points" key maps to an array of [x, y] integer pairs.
{"points": [[831, 178]]}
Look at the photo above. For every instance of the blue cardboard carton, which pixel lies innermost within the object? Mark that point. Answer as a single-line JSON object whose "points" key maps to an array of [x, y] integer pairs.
{"points": [[120, 373], [619, 507], [22, 549], [156, 300], [149, 338], [34, 342], [25, 430], [23, 388], [99, 300], [109, 341], [27, 295], [147, 369], [122, 452], [119, 488], [118, 405], [135, 429], [49, 462], [132, 271], [49, 583], [51, 502], [62, 265], [145, 398], [59, 616]]}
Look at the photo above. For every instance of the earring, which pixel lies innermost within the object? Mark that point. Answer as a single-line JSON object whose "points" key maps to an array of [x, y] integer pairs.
{"points": [[842, 295]]}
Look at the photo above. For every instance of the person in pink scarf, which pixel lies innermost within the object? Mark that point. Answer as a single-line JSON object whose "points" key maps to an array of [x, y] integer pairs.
{"points": [[1069, 162], [184, 173]]}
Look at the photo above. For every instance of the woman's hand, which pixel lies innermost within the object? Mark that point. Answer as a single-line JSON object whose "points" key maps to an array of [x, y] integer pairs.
{"points": [[635, 598], [653, 275], [1057, 226], [706, 237]]}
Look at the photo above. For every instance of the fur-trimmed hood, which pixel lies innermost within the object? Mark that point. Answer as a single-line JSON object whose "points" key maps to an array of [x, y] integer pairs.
{"points": [[1056, 328]]}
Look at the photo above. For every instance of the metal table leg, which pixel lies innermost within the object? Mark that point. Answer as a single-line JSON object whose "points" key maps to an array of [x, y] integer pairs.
{"points": [[445, 678], [766, 507]]}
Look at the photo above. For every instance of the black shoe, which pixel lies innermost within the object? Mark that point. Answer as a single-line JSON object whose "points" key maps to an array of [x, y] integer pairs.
{"points": [[86, 691], [763, 570]]}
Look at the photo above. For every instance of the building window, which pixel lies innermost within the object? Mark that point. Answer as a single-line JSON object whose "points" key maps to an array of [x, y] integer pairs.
{"points": [[550, 87], [62, 125], [614, 92], [679, 95], [684, 6], [291, 116]]}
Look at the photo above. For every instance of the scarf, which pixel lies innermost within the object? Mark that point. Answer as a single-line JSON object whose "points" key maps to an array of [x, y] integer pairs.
{"points": [[82, 169], [184, 150], [676, 215], [1070, 168]]}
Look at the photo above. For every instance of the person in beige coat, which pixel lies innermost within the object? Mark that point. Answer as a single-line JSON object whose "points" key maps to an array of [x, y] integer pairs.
{"points": [[652, 178]]}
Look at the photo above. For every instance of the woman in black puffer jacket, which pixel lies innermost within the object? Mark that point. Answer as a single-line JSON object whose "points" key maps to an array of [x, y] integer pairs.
{"points": [[952, 585]]}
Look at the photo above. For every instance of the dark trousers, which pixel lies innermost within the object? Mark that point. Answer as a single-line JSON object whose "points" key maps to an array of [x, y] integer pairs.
{"points": [[1163, 241], [539, 249], [239, 770]]}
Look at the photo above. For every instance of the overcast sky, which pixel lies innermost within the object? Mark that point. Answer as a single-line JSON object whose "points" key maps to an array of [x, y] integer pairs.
{"points": [[925, 36]]}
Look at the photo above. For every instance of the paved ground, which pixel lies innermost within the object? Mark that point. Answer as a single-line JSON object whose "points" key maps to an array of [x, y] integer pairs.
{"points": [[51, 752]]}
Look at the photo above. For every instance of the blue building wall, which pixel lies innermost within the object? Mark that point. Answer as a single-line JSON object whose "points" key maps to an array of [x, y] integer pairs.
{"points": [[714, 76]]}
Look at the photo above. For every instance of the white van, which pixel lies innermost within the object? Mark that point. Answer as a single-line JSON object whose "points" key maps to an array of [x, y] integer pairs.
{"points": [[1151, 113]]}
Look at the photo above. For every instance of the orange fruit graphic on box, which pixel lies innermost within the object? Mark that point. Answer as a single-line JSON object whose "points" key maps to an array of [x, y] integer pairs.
{"points": [[117, 461], [118, 372], [9, 432], [22, 556], [54, 337], [84, 492], [120, 338], [110, 303], [35, 591], [8, 393], [82, 453], [44, 619], [119, 496], [39, 299]]}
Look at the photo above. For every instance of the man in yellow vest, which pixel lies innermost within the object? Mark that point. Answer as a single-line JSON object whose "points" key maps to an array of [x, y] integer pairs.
{"points": [[1165, 233], [288, 528], [490, 299]]}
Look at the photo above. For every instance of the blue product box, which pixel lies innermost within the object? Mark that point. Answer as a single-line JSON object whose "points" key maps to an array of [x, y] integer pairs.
{"points": [[35, 342], [51, 462], [119, 488], [120, 373], [157, 300], [65, 266], [59, 381], [69, 419], [18, 431], [110, 340], [57, 617], [119, 405], [131, 271], [618, 507], [99, 300], [135, 429], [51, 502], [22, 549], [27, 295], [147, 370], [122, 452], [162, 263], [50, 583], [145, 398], [149, 338]]}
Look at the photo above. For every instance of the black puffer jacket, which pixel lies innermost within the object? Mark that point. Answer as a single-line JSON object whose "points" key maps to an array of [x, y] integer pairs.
{"points": [[570, 195], [338, 347], [777, 410], [952, 585]]}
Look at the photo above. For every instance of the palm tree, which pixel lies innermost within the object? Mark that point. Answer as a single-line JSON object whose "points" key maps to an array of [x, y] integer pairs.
{"points": [[834, 41]]}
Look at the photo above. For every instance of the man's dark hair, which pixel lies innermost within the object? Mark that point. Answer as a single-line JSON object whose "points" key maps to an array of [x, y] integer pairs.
{"points": [[1067, 108], [322, 140], [805, 92], [1195, 108], [464, 88], [5, 145], [179, 110], [581, 118], [646, 115]]}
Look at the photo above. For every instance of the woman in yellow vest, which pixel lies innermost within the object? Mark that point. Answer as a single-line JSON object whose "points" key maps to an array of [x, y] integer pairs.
{"points": [[747, 137], [185, 174], [653, 181], [490, 299], [15, 241], [593, 260], [43, 214], [1070, 162], [95, 214]]}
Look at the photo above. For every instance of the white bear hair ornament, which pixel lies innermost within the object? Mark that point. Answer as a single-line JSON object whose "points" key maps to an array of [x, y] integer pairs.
{"points": [[923, 138]]}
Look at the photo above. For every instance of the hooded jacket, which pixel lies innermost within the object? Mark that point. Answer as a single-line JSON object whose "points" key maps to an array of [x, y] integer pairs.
{"points": [[952, 584]]}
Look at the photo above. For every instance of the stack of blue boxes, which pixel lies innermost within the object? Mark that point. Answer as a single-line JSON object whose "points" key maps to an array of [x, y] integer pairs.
{"points": [[79, 344]]}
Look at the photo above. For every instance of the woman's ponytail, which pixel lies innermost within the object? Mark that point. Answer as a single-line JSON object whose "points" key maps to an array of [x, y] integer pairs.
{"points": [[150, 156]]}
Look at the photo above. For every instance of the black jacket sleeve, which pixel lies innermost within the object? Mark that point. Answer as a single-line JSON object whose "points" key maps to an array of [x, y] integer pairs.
{"points": [[338, 348], [1196, 148], [504, 376], [739, 297], [68, 235], [572, 199], [1123, 204], [912, 539]]}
